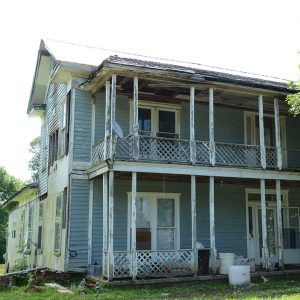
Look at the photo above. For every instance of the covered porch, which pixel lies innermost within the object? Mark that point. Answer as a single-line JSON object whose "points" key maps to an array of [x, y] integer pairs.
{"points": [[154, 221]]}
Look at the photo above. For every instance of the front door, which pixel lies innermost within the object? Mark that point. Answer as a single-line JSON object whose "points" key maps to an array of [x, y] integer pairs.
{"points": [[255, 246]]}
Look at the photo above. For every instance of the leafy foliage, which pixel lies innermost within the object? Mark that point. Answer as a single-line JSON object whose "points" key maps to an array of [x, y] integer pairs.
{"points": [[9, 185], [34, 163], [294, 99]]}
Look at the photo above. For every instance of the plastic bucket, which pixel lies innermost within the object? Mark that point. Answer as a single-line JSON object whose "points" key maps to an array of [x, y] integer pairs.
{"points": [[239, 275], [225, 260]]}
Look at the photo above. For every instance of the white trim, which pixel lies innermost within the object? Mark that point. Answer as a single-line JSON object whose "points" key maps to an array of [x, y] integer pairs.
{"points": [[90, 225], [142, 167], [155, 107], [153, 216]]}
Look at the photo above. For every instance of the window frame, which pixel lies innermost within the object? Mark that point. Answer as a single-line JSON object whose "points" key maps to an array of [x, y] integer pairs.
{"points": [[153, 197], [58, 220], [40, 223], [155, 107]]}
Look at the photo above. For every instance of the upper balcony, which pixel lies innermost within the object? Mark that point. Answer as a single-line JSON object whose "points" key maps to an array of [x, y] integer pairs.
{"points": [[197, 126]]}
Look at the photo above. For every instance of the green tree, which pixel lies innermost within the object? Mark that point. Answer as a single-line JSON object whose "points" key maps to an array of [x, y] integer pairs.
{"points": [[294, 99], [9, 185], [34, 163]]}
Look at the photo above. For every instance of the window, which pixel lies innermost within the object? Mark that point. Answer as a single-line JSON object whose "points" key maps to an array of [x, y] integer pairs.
{"points": [[53, 148], [57, 226], [29, 227], [64, 210], [21, 234], [40, 226], [159, 121], [157, 221]]}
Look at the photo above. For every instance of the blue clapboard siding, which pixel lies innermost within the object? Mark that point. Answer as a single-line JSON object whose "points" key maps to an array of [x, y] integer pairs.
{"points": [[79, 218], [97, 232], [293, 141], [82, 126], [56, 94], [122, 113], [230, 213]]}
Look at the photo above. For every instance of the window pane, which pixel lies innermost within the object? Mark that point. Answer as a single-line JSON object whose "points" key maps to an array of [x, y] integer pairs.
{"points": [[144, 119], [166, 121], [165, 213], [58, 205], [143, 239], [57, 237], [41, 213], [165, 239], [40, 232], [294, 217], [143, 213]]}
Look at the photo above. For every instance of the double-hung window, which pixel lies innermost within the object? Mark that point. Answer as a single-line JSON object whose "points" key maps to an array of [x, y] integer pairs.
{"points": [[58, 221], [40, 226], [29, 227], [157, 221]]}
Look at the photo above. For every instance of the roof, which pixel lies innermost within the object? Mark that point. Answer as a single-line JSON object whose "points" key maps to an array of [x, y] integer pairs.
{"points": [[23, 190], [53, 52]]}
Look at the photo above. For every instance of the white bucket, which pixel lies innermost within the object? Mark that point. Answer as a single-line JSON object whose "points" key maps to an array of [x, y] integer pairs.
{"points": [[239, 275], [225, 260]]}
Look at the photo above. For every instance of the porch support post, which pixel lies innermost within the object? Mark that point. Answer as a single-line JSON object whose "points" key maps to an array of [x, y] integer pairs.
{"points": [[111, 225], [213, 254], [262, 132], [107, 117], [135, 129], [192, 126], [265, 250], [113, 115], [133, 225], [194, 223], [279, 227], [277, 134], [212, 153], [90, 232], [105, 241]]}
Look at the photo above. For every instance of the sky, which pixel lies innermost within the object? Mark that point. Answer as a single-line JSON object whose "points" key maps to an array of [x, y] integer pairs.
{"points": [[254, 36]]}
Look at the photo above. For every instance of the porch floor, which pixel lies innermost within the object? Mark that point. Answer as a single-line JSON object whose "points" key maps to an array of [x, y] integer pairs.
{"points": [[189, 279]]}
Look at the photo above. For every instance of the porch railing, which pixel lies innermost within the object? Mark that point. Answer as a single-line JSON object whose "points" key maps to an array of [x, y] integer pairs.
{"points": [[150, 263], [159, 149]]}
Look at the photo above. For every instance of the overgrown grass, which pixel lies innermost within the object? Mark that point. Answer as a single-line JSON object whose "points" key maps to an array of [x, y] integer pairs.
{"points": [[2, 269], [276, 288]]}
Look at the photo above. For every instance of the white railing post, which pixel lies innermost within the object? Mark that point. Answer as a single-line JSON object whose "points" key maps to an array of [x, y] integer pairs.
{"points": [[262, 132], [90, 227], [113, 115], [111, 225], [107, 118], [133, 225], [213, 254], [279, 227], [212, 149], [194, 223], [265, 250], [135, 129], [192, 126], [277, 134], [105, 206]]}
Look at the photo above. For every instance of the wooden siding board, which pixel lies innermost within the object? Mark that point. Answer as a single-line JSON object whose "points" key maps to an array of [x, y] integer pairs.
{"points": [[82, 126], [97, 245], [78, 218]]}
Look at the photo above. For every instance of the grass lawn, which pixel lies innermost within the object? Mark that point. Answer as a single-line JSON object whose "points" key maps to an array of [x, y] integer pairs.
{"points": [[276, 288], [2, 268]]}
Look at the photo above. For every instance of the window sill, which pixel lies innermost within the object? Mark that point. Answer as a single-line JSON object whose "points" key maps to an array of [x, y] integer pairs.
{"points": [[56, 253]]}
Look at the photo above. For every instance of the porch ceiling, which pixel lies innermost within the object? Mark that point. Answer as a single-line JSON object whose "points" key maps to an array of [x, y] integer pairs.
{"points": [[175, 92]]}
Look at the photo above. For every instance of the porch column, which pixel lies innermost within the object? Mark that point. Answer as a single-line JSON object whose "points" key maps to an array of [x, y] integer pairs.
{"points": [[90, 228], [113, 115], [105, 237], [111, 224], [277, 134], [107, 117], [192, 126], [265, 250], [133, 225], [213, 253], [93, 119], [135, 129], [279, 227], [194, 223], [212, 154], [262, 132]]}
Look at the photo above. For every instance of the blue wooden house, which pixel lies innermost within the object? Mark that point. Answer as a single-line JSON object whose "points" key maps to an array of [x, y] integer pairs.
{"points": [[145, 161]]}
